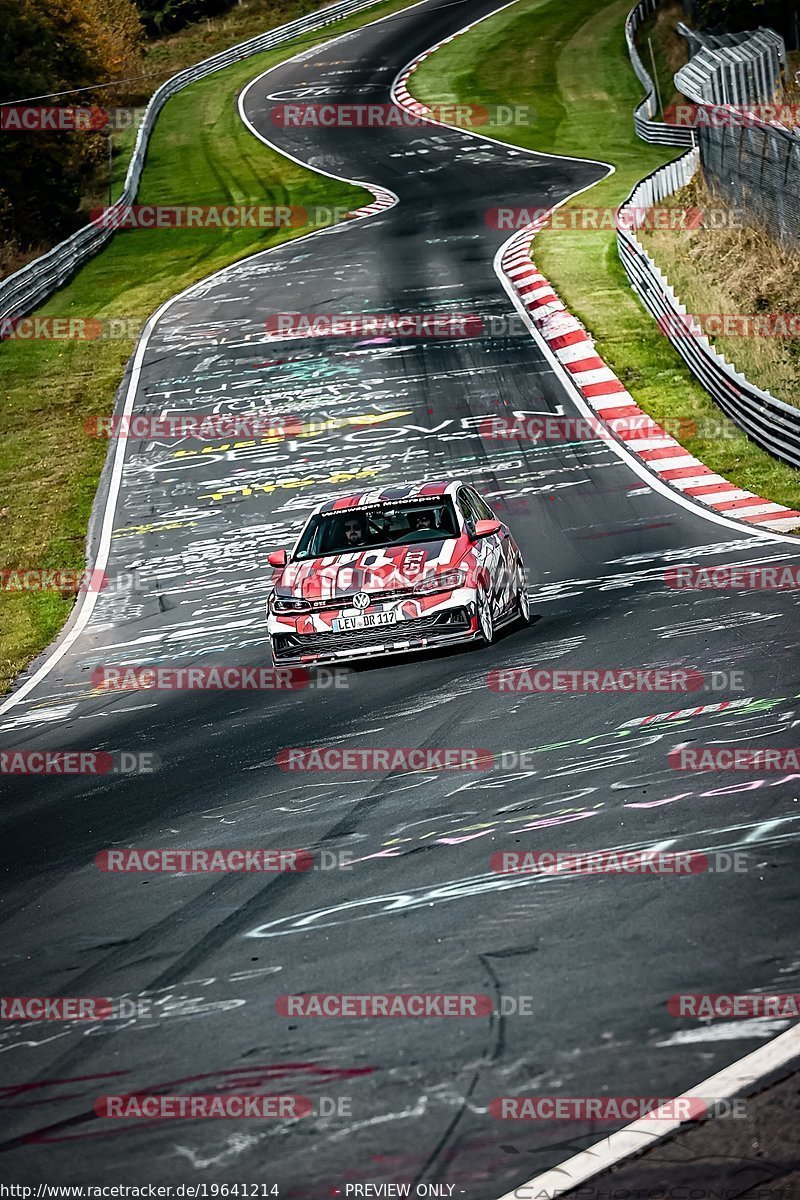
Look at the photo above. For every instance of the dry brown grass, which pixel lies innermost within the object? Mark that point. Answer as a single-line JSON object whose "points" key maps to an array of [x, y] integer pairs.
{"points": [[735, 270], [12, 258], [671, 50], [673, 46], [792, 85]]}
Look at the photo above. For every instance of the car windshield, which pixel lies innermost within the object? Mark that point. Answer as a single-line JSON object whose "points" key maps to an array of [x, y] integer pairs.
{"points": [[387, 524]]}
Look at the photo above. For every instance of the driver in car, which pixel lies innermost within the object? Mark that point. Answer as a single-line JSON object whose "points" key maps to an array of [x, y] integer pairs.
{"points": [[422, 519], [355, 532]]}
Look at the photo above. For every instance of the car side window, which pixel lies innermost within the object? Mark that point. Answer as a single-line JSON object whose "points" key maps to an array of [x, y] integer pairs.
{"points": [[480, 507], [466, 508]]}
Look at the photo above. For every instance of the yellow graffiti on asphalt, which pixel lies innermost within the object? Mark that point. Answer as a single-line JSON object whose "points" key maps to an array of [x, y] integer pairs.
{"points": [[127, 530], [249, 490], [307, 430]]}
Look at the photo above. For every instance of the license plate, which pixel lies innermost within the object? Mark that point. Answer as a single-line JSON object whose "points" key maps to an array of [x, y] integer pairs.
{"points": [[363, 621]]}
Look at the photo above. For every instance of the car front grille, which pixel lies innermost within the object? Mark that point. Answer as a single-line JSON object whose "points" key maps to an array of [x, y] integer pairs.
{"points": [[388, 595], [445, 623]]}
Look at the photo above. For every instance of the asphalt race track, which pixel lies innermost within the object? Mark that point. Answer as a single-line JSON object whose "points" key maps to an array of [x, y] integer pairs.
{"points": [[420, 909]]}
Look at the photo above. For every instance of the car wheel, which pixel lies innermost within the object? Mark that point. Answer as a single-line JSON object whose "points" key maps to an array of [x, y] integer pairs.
{"points": [[523, 599], [485, 620]]}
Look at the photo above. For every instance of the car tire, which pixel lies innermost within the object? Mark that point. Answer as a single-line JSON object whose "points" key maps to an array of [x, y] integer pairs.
{"points": [[485, 620]]}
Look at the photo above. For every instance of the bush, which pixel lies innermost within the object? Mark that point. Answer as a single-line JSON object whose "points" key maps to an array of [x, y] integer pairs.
{"points": [[165, 16]]}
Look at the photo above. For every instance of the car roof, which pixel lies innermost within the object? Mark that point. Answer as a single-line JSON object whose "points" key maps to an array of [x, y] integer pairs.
{"points": [[432, 490]]}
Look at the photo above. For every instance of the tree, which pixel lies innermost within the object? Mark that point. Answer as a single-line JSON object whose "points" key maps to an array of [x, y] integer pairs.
{"points": [[731, 16], [49, 46], [165, 16]]}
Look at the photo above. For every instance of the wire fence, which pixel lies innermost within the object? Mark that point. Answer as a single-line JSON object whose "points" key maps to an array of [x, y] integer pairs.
{"points": [[750, 160]]}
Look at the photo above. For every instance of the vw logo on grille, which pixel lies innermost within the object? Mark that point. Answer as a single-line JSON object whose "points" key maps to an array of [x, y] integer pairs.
{"points": [[361, 600]]}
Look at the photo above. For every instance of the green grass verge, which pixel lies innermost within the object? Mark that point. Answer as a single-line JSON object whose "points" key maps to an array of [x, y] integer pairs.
{"points": [[167, 55], [570, 63], [200, 153]]}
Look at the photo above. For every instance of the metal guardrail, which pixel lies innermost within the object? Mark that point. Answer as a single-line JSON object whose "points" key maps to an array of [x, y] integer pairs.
{"points": [[733, 68], [37, 280], [656, 132], [771, 423]]}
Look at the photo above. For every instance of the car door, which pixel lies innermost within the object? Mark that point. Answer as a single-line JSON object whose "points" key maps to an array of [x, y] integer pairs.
{"points": [[504, 566], [487, 550]]}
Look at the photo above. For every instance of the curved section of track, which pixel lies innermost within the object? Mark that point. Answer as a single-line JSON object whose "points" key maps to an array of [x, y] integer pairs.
{"points": [[421, 908]]}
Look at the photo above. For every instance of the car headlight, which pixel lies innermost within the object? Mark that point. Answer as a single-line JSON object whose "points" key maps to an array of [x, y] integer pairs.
{"points": [[285, 604], [446, 582]]}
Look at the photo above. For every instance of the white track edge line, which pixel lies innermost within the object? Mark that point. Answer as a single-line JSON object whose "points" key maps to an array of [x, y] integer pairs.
{"points": [[781, 1049], [639, 1136], [403, 75], [80, 619], [101, 558], [632, 460]]}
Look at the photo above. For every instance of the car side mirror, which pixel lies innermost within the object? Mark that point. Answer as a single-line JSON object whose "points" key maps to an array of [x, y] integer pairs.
{"points": [[277, 558], [487, 528]]}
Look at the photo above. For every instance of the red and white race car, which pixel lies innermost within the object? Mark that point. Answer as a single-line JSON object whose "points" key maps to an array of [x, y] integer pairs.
{"points": [[393, 571]]}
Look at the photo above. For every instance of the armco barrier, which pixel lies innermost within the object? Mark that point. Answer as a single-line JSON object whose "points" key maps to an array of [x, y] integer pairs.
{"points": [[33, 283], [733, 68], [655, 132], [772, 424], [751, 161]]}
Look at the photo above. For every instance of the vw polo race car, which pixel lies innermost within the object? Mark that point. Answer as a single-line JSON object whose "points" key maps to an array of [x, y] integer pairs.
{"points": [[389, 572]]}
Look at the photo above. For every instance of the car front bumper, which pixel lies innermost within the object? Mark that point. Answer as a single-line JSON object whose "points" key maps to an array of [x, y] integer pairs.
{"points": [[313, 640]]}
